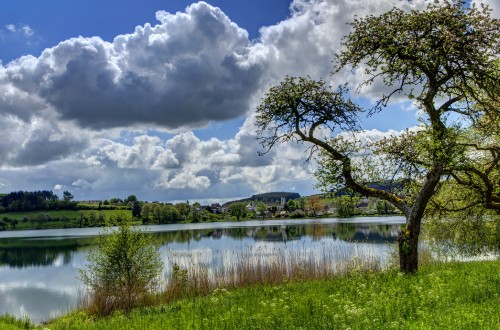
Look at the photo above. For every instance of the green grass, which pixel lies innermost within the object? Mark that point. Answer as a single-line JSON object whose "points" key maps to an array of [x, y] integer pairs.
{"points": [[440, 296], [8, 322], [73, 217]]}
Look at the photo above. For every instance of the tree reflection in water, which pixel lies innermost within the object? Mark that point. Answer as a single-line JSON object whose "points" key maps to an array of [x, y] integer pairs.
{"points": [[24, 252]]}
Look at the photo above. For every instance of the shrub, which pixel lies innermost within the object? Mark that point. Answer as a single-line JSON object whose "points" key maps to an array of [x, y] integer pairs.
{"points": [[122, 272]]}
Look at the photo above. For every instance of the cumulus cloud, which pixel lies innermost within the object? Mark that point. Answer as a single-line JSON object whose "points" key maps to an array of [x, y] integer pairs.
{"points": [[183, 72], [190, 69], [37, 142], [58, 187]]}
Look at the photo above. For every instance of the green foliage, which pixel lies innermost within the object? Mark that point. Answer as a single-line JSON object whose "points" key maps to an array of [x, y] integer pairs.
{"points": [[136, 209], [261, 208], [346, 206], [162, 214], [448, 296], [67, 196], [33, 200], [183, 209], [465, 235], [238, 209], [8, 322], [131, 199], [383, 207], [122, 271]]}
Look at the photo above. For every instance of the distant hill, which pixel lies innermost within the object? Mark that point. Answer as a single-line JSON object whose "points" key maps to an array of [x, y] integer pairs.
{"points": [[270, 197], [393, 186]]}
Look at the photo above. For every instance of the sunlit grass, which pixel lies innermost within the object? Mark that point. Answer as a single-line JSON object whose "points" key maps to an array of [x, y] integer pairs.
{"points": [[440, 296]]}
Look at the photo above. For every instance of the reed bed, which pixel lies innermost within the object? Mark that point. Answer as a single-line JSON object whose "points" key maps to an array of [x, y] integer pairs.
{"points": [[190, 274], [195, 274]]}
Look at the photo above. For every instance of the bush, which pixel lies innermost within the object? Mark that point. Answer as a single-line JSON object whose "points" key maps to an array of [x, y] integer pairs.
{"points": [[122, 272]]}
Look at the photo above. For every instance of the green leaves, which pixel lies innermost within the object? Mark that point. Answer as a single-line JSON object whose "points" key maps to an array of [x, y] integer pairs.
{"points": [[299, 106], [122, 271], [449, 49]]}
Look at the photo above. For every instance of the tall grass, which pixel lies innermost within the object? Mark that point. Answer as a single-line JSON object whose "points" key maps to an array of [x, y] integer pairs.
{"points": [[188, 276], [192, 274]]}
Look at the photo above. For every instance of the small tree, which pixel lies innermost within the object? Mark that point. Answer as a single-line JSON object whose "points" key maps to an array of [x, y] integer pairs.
{"points": [[383, 207], [136, 210], [346, 206], [67, 196], [123, 270], [130, 199], [315, 205], [261, 209], [65, 220], [238, 209]]}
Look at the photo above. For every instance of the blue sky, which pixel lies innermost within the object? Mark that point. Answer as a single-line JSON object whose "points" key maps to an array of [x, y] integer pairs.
{"points": [[57, 20], [156, 98]]}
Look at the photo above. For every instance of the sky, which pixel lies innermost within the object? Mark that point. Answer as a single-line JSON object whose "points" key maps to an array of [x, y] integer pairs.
{"points": [[157, 98]]}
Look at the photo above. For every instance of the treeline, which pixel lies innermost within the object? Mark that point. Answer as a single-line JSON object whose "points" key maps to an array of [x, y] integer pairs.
{"points": [[274, 197], [159, 213], [270, 197], [34, 201]]}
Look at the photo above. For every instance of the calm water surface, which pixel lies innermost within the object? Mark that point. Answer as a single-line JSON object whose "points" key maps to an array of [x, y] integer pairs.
{"points": [[39, 268]]}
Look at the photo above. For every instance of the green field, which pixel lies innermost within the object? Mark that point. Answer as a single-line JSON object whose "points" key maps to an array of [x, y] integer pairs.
{"points": [[440, 296], [73, 218]]}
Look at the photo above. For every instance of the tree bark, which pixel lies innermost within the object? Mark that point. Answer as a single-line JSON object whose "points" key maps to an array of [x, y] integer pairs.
{"points": [[408, 238], [408, 246]]}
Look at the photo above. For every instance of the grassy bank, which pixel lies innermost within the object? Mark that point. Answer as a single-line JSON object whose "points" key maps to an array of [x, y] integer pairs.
{"points": [[440, 296]]}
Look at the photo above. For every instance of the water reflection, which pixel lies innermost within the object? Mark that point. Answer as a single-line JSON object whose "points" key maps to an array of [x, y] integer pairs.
{"points": [[38, 275], [28, 252]]}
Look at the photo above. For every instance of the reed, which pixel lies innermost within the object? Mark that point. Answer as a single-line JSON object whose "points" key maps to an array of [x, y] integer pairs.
{"points": [[188, 276]]}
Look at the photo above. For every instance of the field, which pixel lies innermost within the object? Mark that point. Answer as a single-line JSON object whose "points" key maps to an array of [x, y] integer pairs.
{"points": [[72, 218], [440, 296]]}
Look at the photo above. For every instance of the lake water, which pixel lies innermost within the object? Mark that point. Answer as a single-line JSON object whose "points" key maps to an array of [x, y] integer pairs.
{"points": [[39, 268]]}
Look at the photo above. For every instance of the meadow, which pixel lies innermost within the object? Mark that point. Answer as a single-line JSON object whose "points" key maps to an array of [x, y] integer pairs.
{"points": [[456, 295], [61, 218]]}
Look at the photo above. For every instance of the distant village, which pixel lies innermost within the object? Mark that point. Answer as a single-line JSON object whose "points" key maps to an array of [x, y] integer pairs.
{"points": [[283, 205]]}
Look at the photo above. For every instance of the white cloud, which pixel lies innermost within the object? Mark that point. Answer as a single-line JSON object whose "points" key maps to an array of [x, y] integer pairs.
{"points": [[185, 180], [81, 184], [58, 187], [11, 27], [25, 30], [183, 72]]}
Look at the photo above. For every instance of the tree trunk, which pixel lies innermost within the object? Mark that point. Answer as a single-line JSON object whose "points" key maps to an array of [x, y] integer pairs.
{"points": [[408, 253], [408, 246]]}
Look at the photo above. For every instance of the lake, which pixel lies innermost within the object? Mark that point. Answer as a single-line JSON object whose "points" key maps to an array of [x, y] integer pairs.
{"points": [[39, 268]]}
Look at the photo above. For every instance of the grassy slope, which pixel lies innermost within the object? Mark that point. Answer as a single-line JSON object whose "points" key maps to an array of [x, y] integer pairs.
{"points": [[72, 215], [452, 296]]}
